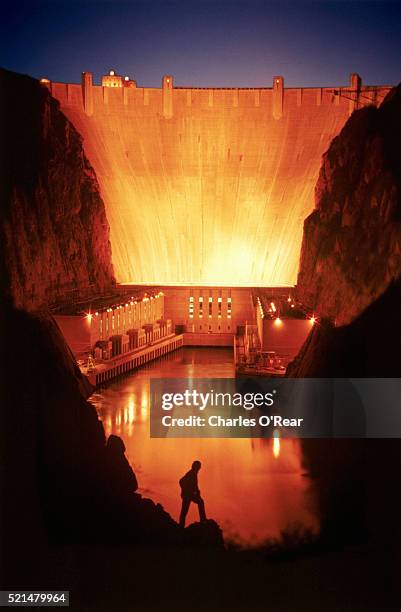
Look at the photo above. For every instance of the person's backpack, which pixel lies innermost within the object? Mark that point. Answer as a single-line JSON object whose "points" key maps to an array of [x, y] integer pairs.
{"points": [[185, 481]]}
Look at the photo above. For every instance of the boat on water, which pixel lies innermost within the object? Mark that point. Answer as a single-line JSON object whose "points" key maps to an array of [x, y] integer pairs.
{"points": [[263, 363], [257, 370]]}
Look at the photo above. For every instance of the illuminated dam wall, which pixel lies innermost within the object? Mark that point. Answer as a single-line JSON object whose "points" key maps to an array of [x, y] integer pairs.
{"points": [[208, 186]]}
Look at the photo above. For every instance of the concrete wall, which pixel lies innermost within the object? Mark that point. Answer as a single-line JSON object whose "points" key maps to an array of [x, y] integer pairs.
{"points": [[208, 185], [287, 338], [209, 317], [208, 340]]}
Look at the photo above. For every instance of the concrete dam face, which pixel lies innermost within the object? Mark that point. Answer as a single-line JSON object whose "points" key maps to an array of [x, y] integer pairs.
{"points": [[208, 186]]}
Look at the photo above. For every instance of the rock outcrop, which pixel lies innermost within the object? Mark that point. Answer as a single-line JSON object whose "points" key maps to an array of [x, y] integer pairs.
{"points": [[205, 535], [351, 249], [370, 346], [54, 235], [350, 266]]}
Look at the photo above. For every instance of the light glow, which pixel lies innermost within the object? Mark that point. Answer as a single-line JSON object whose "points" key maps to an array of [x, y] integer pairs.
{"points": [[276, 443], [240, 232]]}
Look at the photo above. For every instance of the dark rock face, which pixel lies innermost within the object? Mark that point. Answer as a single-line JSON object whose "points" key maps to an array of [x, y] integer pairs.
{"points": [[370, 346], [54, 235], [351, 249], [206, 535], [52, 440]]}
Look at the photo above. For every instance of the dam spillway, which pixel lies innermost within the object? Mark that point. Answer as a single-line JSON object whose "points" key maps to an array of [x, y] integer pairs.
{"points": [[208, 186]]}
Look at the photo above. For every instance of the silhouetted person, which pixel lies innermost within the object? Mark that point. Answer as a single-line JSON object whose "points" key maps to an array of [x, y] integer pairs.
{"points": [[121, 476], [190, 493]]}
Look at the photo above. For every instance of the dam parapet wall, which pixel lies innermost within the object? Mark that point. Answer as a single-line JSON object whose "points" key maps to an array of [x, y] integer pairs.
{"points": [[275, 100]]}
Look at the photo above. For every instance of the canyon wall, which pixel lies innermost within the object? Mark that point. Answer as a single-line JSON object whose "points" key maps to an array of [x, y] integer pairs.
{"points": [[54, 235], [351, 249], [208, 186], [350, 268]]}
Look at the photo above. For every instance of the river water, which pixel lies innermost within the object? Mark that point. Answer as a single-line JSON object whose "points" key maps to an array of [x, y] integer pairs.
{"points": [[252, 488]]}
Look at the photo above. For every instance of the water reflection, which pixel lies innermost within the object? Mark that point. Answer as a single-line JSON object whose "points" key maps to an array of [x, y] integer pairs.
{"points": [[276, 443], [254, 488]]}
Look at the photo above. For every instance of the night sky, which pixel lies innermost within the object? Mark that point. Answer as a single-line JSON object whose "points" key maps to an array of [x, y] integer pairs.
{"points": [[205, 43]]}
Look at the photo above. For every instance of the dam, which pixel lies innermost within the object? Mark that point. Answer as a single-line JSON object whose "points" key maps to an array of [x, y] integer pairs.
{"points": [[207, 187]]}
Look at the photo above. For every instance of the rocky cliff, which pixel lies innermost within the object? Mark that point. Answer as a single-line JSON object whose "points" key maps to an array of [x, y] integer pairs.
{"points": [[351, 248], [369, 346], [54, 235]]}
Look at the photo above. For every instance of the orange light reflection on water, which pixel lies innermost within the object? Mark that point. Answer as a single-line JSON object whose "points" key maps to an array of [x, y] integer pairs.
{"points": [[276, 444], [254, 488]]}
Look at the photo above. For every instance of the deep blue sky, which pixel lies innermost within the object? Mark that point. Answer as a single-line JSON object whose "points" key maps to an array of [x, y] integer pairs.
{"points": [[205, 42]]}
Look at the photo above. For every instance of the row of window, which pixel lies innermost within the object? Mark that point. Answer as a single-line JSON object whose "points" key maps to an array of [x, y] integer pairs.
{"points": [[209, 307], [203, 328], [200, 315], [210, 299]]}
